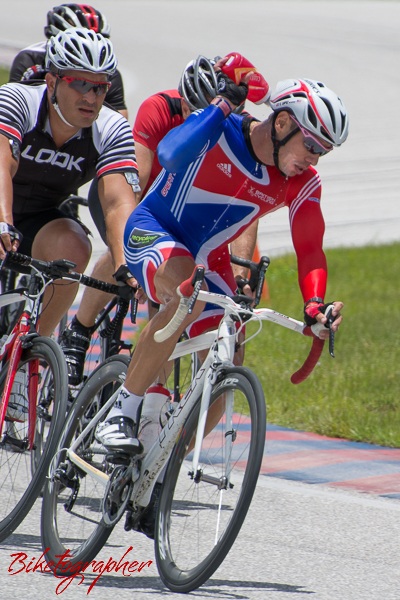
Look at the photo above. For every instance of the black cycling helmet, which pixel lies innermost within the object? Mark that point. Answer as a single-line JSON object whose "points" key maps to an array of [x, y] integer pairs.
{"points": [[75, 15], [197, 80]]}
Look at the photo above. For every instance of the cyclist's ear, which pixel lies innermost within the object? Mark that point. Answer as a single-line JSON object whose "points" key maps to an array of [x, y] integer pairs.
{"points": [[283, 123], [51, 82]]}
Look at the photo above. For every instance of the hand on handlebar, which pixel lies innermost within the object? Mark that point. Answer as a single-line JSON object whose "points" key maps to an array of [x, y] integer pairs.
{"points": [[337, 319], [123, 276], [10, 239], [244, 287]]}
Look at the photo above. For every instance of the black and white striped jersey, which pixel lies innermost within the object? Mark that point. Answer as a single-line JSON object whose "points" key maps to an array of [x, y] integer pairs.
{"points": [[46, 174]]}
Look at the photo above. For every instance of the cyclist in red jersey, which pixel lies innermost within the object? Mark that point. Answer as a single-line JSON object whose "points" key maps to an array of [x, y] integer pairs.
{"points": [[271, 167]]}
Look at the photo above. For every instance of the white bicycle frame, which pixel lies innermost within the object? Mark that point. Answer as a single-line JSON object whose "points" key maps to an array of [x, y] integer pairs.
{"points": [[221, 344]]}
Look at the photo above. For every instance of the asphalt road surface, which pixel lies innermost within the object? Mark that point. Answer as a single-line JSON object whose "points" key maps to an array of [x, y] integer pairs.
{"points": [[299, 540]]}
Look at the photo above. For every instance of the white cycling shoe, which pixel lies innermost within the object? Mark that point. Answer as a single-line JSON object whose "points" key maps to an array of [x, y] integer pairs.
{"points": [[18, 403], [119, 433]]}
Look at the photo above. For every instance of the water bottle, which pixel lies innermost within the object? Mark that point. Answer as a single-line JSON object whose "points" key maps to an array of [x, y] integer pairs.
{"points": [[156, 403], [236, 67]]}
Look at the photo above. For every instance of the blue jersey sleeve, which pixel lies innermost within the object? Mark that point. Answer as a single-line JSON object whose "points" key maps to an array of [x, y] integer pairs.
{"points": [[191, 140]]}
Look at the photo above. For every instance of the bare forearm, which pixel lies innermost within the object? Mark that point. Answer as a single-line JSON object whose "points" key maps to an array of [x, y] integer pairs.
{"points": [[244, 247], [118, 201]]}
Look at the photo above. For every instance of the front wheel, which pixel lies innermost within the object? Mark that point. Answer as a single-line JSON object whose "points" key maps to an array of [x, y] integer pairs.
{"points": [[72, 510], [44, 371], [201, 513]]}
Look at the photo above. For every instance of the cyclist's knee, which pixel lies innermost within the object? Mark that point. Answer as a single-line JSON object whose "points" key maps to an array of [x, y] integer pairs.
{"points": [[170, 275], [63, 238]]}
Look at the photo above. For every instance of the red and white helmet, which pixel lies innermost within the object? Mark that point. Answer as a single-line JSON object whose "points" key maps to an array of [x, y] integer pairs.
{"points": [[314, 106], [76, 15]]}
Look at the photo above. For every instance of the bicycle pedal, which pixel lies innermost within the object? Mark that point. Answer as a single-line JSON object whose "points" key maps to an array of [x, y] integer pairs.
{"points": [[132, 520]]}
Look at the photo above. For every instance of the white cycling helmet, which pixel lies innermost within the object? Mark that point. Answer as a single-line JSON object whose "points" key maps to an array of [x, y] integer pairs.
{"points": [[314, 106], [81, 50], [76, 15]]}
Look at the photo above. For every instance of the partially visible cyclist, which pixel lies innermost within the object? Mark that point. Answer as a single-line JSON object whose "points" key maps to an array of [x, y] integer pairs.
{"points": [[194, 208], [55, 137], [157, 115], [30, 63]]}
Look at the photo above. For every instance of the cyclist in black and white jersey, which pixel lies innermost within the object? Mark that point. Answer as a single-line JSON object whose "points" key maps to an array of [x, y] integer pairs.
{"points": [[29, 64], [56, 136]]}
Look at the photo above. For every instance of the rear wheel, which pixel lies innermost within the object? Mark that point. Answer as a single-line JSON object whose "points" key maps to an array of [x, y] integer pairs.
{"points": [[201, 513], [44, 370]]}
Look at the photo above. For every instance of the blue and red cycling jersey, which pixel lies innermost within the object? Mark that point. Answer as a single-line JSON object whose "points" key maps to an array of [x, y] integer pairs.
{"points": [[210, 190]]}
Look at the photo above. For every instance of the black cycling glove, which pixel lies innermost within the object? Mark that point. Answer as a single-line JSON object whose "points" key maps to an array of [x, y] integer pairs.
{"points": [[312, 308], [228, 89], [122, 274]]}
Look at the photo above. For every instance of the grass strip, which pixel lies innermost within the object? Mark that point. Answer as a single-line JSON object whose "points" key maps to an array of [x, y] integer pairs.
{"points": [[355, 395]]}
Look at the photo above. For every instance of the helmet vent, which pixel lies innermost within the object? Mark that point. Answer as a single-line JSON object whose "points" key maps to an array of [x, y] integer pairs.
{"points": [[326, 135], [343, 122], [331, 113], [299, 95], [88, 54], [72, 49], [103, 56], [311, 116]]}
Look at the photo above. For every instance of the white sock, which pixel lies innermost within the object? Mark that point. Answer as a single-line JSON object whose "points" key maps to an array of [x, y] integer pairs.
{"points": [[126, 405]]}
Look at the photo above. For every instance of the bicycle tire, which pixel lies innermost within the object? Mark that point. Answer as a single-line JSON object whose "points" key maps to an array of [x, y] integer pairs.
{"points": [[62, 530], [20, 487], [186, 555], [42, 419]]}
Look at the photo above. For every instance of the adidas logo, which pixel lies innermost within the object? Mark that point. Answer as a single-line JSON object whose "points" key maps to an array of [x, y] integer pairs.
{"points": [[225, 168]]}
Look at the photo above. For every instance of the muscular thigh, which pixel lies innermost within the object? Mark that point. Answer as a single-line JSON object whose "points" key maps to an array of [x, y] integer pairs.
{"points": [[148, 246], [31, 225]]}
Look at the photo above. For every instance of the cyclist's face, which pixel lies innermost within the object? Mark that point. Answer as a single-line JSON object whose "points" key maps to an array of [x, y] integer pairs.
{"points": [[294, 158], [80, 110]]}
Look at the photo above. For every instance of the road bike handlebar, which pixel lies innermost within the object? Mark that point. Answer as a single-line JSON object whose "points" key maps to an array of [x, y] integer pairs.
{"points": [[189, 291], [257, 274], [311, 360], [62, 269]]}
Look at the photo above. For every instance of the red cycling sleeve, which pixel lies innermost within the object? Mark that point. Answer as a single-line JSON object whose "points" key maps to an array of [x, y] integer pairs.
{"points": [[308, 229]]}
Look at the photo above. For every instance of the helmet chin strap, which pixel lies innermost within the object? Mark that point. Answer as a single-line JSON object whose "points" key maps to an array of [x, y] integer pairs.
{"points": [[56, 107], [277, 144]]}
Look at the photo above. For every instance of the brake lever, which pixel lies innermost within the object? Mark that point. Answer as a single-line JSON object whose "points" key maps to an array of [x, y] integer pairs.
{"points": [[331, 320], [134, 305]]}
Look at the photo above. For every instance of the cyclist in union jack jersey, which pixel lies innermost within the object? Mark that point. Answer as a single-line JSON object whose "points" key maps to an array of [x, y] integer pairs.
{"points": [[221, 173]]}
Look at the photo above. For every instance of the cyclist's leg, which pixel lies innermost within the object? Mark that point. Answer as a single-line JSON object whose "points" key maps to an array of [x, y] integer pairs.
{"points": [[160, 262], [62, 238], [48, 235], [93, 301], [75, 341]]}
